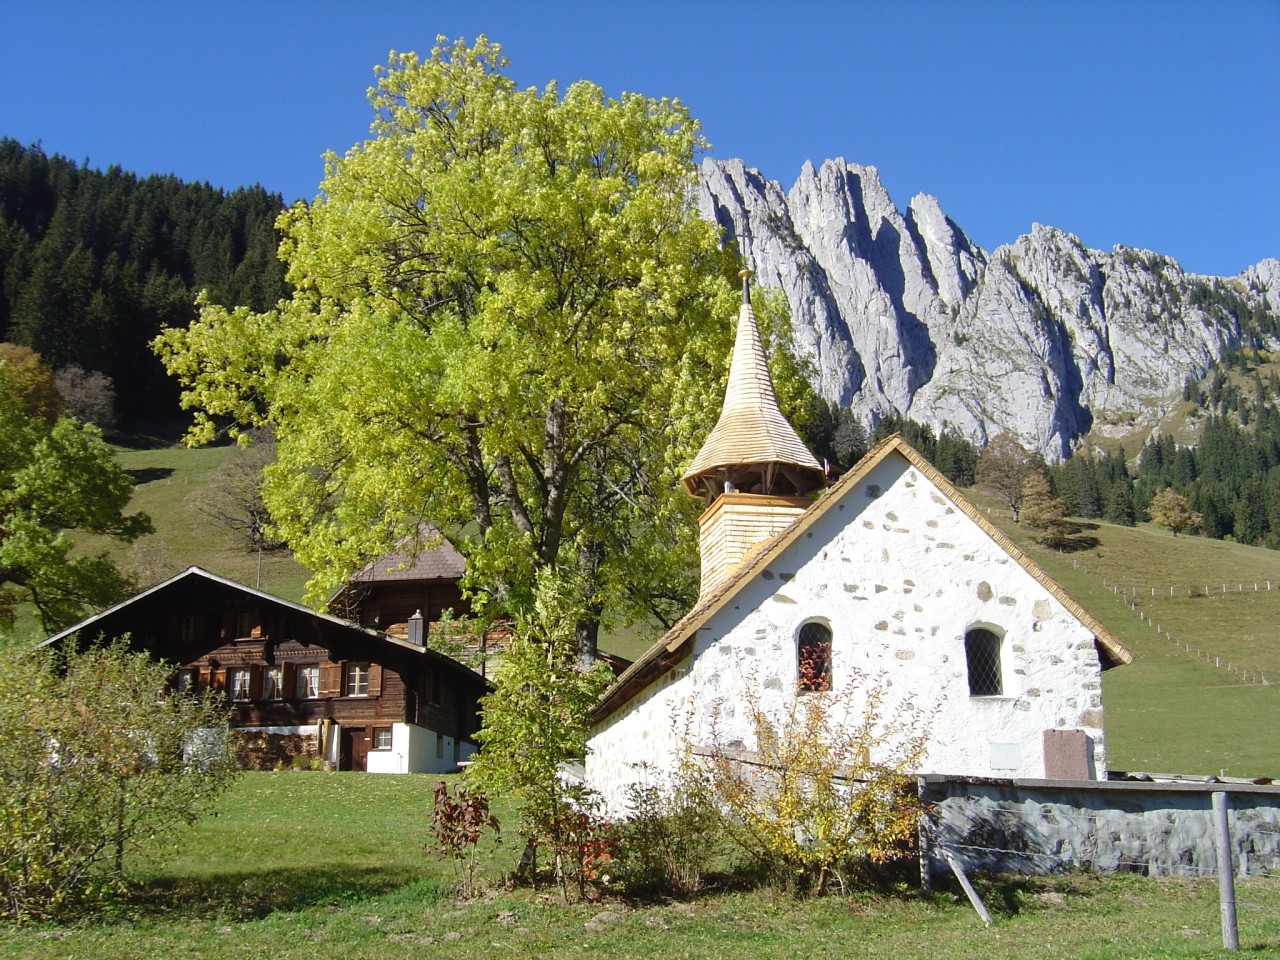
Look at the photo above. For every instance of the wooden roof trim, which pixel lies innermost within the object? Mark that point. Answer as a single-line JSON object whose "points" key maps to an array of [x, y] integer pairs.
{"points": [[649, 664], [194, 571]]}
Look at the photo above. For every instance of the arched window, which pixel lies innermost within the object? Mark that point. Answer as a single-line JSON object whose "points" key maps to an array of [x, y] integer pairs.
{"points": [[813, 657], [982, 655]]}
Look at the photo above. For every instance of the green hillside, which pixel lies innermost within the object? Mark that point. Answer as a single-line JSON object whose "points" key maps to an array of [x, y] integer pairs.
{"points": [[169, 482], [1174, 710]]}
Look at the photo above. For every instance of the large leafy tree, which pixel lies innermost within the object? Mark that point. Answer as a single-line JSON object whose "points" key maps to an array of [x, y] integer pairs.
{"points": [[507, 320], [57, 478]]}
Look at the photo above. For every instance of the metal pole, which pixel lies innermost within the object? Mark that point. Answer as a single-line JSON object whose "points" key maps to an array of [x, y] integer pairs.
{"points": [[1226, 878]]}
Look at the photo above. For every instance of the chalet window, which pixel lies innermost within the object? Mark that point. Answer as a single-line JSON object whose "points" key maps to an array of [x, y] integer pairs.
{"points": [[242, 625], [813, 657], [357, 680], [381, 738], [273, 683], [308, 681], [186, 682], [982, 656], [187, 630], [238, 681]]}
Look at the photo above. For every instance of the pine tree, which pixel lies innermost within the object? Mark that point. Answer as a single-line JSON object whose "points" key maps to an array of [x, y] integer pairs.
{"points": [[1120, 509]]}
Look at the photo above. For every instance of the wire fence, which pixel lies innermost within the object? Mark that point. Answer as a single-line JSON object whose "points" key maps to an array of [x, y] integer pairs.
{"points": [[1246, 673], [1185, 829], [1130, 593]]}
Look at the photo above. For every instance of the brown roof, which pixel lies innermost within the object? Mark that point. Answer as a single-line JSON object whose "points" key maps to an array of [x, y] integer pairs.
{"points": [[751, 429], [669, 650], [426, 555], [195, 582]]}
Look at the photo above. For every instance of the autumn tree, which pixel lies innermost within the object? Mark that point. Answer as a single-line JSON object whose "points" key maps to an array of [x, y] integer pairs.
{"points": [[507, 320], [1170, 509], [57, 479], [1042, 512], [31, 382], [1003, 468]]}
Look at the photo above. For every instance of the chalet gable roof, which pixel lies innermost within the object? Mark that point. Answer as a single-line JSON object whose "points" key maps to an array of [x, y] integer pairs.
{"points": [[197, 578], [672, 647]]}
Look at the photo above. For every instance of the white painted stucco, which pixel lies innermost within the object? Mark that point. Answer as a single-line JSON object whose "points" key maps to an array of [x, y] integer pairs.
{"points": [[416, 749], [899, 573]]}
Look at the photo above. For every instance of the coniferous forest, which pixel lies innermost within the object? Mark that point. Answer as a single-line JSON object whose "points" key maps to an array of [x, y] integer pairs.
{"points": [[95, 263], [1230, 476]]}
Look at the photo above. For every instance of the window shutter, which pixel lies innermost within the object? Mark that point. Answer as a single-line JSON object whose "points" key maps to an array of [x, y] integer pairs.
{"points": [[219, 679], [255, 681], [288, 681], [331, 680], [375, 679]]}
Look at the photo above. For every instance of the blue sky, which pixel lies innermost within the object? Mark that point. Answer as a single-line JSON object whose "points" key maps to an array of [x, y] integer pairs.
{"points": [[1152, 124]]}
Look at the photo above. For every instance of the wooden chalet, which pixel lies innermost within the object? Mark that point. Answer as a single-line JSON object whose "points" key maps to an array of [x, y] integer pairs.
{"points": [[418, 586], [354, 697], [421, 576]]}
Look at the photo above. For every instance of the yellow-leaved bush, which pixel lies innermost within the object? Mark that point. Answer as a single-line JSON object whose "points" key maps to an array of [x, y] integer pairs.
{"points": [[825, 780]]}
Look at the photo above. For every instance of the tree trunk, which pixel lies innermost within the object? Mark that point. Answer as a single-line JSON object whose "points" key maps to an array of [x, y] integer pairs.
{"points": [[588, 634], [587, 631]]}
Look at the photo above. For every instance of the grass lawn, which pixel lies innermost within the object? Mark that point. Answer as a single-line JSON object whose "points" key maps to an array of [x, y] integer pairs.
{"points": [[313, 865]]}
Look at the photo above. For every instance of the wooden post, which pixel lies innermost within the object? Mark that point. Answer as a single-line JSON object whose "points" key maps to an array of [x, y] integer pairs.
{"points": [[974, 900], [1226, 878], [922, 834]]}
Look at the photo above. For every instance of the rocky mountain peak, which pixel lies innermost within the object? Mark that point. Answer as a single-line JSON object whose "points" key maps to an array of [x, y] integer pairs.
{"points": [[900, 313]]}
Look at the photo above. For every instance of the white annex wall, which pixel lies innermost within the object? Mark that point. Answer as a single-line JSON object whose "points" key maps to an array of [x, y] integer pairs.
{"points": [[899, 573], [416, 749]]}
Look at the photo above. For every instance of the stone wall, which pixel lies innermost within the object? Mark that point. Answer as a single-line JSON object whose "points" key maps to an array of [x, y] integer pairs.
{"points": [[899, 574], [265, 750], [1048, 826]]}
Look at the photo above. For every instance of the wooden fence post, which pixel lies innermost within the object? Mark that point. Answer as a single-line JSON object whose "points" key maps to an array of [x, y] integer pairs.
{"points": [[1226, 876]]}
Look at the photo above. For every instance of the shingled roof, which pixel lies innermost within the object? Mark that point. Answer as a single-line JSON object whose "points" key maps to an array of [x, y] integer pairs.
{"points": [[426, 555], [752, 444]]}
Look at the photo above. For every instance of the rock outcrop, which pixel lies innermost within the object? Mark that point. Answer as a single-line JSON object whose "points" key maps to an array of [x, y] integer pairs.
{"points": [[902, 314]]}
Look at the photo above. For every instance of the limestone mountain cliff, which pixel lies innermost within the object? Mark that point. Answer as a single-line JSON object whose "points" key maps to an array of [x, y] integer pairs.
{"points": [[899, 313]]}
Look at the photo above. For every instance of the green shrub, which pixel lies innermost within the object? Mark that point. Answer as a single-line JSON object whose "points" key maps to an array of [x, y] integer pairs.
{"points": [[671, 840], [97, 756]]}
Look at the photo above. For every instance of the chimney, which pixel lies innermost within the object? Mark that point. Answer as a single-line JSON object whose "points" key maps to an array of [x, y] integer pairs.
{"points": [[417, 635]]}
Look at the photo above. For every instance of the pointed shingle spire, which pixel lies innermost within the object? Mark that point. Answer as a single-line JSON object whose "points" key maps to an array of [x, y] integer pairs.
{"points": [[752, 448]]}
